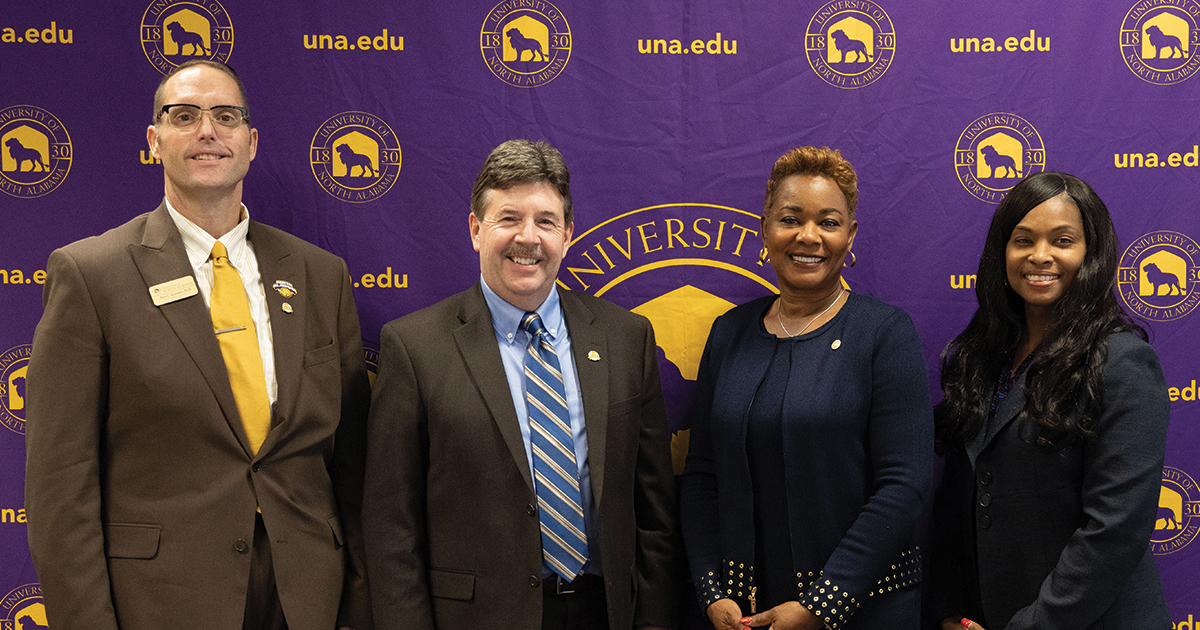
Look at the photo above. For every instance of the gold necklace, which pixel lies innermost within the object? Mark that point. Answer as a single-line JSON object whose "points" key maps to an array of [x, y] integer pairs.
{"points": [[779, 315]]}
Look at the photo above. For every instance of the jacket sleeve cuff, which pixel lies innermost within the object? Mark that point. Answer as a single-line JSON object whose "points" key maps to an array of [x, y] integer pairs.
{"points": [[829, 602]]}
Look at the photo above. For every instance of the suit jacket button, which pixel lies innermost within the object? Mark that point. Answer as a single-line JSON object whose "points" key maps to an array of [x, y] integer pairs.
{"points": [[985, 521], [255, 466], [240, 546], [985, 478], [529, 509], [985, 499], [534, 581]]}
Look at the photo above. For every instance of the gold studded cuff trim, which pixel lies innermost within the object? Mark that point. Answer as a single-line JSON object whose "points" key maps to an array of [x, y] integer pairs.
{"points": [[828, 602], [834, 606], [905, 572], [734, 580]]}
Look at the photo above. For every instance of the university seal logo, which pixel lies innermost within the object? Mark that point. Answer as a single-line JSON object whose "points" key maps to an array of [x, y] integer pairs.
{"points": [[14, 364], [1158, 275], [175, 32], [35, 151], [850, 44], [22, 609], [355, 157], [1178, 512], [1159, 39], [525, 43], [994, 152], [681, 265]]}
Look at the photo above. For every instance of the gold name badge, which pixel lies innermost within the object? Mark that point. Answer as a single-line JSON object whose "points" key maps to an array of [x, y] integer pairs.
{"points": [[173, 290]]}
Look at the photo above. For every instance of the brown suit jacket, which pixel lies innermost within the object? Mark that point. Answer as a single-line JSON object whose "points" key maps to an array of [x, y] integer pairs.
{"points": [[453, 540], [140, 486]]}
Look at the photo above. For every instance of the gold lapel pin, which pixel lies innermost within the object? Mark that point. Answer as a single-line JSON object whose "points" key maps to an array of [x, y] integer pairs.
{"points": [[287, 308], [593, 355], [285, 288], [837, 343]]}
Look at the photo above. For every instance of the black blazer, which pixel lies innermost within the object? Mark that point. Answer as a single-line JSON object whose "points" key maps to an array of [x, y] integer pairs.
{"points": [[452, 535], [1058, 537]]}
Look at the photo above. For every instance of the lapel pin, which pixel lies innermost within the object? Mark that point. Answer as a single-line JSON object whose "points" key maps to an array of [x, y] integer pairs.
{"points": [[285, 289], [837, 343], [287, 308], [593, 355]]}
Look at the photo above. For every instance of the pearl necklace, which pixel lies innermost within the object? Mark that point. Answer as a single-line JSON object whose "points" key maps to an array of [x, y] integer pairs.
{"points": [[779, 315]]}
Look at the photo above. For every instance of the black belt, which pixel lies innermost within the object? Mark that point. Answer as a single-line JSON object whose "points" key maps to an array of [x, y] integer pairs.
{"points": [[586, 583]]}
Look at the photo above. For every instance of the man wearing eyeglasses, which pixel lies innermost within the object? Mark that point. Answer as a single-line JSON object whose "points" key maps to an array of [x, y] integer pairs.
{"points": [[197, 400]]}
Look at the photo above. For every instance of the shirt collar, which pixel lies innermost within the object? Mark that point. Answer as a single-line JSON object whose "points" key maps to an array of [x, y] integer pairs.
{"points": [[506, 318], [199, 243]]}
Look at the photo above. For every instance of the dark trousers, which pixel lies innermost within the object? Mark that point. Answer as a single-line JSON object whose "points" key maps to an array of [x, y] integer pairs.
{"points": [[584, 609], [263, 610]]}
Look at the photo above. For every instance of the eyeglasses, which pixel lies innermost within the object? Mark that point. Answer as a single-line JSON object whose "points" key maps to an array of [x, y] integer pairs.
{"points": [[184, 116]]}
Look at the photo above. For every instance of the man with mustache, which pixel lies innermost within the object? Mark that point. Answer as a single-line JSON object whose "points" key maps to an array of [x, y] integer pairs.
{"points": [[197, 403], [518, 466]]}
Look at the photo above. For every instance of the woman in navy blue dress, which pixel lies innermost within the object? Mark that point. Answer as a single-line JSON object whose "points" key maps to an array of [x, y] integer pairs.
{"points": [[1053, 427], [812, 431]]}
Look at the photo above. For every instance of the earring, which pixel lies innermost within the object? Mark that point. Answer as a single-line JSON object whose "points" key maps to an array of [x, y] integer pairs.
{"points": [[763, 256], [853, 260]]}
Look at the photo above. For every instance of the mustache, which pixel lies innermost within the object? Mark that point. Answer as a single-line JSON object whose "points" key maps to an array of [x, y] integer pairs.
{"points": [[524, 251]]}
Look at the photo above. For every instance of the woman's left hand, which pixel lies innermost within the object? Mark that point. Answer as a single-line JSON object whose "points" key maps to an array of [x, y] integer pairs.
{"points": [[786, 616]]}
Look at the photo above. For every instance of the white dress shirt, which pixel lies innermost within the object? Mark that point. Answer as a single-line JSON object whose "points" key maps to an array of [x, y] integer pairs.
{"points": [[199, 244]]}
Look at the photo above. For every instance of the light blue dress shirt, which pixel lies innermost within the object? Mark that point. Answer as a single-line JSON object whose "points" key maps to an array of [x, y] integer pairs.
{"points": [[514, 342]]}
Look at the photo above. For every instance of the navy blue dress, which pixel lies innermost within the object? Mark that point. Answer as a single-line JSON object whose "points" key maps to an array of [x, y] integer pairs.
{"points": [[830, 435]]}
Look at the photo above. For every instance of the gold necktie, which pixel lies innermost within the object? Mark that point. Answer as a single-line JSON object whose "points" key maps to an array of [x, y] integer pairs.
{"points": [[230, 310]]}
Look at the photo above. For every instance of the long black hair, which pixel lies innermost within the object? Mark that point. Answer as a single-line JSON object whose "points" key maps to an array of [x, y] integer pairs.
{"points": [[1067, 368]]}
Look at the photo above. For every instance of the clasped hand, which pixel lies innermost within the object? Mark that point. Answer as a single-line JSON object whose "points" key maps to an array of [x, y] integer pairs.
{"points": [[725, 614]]}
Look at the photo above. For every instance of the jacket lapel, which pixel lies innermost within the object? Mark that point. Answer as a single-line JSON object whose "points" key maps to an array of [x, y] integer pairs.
{"points": [[593, 382], [276, 262], [476, 340], [161, 257], [1006, 412]]}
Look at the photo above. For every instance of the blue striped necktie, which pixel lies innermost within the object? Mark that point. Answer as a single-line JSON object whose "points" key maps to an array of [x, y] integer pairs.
{"points": [[556, 477]]}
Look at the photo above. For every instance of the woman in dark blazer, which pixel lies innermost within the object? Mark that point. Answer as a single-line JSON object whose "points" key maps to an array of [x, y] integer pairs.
{"points": [[812, 428], [1053, 428]]}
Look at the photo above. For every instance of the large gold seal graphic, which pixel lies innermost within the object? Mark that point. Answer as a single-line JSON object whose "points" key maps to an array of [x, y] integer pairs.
{"points": [[525, 43], [176, 32], [850, 44]]}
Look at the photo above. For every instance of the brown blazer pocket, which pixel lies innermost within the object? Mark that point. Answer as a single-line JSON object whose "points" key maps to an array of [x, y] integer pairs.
{"points": [[321, 355], [131, 540], [336, 525], [458, 585]]}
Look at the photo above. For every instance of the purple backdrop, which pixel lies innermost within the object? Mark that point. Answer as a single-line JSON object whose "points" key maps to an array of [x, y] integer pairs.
{"points": [[669, 116]]}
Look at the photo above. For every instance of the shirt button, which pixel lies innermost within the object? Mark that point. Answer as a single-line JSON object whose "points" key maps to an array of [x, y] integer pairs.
{"points": [[985, 499], [529, 509], [535, 581], [241, 546], [985, 478], [985, 521]]}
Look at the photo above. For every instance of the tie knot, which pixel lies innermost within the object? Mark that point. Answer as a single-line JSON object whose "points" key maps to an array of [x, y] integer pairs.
{"points": [[532, 324], [219, 251]]}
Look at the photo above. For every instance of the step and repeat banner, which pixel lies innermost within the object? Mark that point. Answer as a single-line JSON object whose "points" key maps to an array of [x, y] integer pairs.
{"points": [[375, 116]]}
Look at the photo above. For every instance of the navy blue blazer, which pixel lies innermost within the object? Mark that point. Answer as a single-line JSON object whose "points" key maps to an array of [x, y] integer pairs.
{"points": [[1034, 537], [858, 447]]}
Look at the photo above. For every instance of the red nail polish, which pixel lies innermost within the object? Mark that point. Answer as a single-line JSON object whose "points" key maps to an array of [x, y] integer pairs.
{"points": [[966, 623]]}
